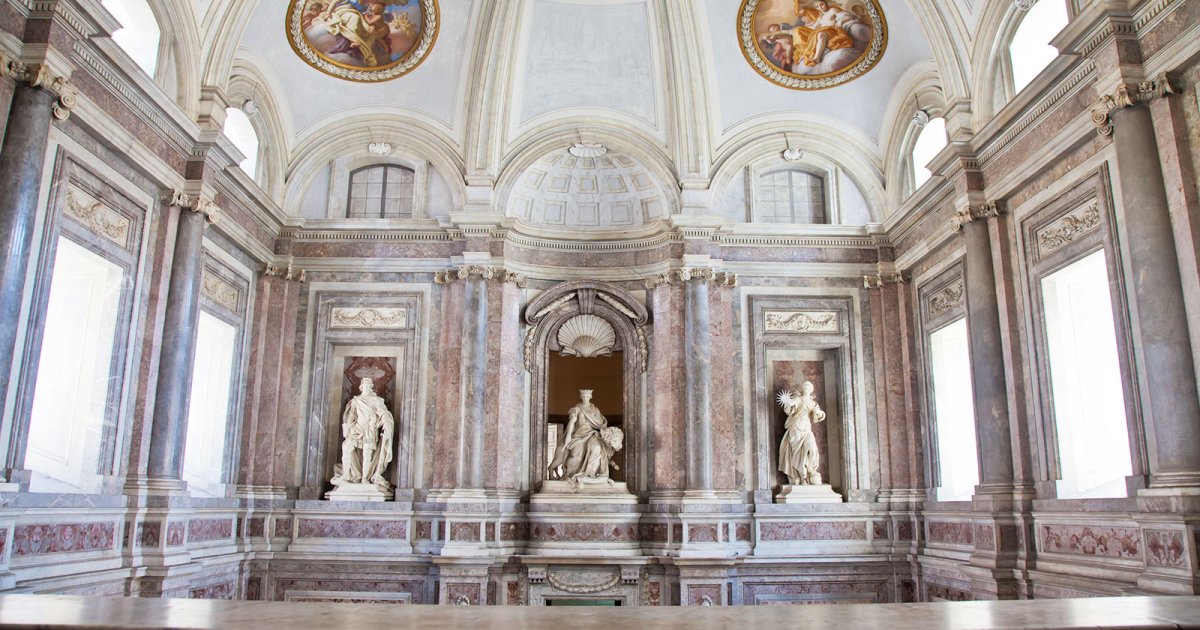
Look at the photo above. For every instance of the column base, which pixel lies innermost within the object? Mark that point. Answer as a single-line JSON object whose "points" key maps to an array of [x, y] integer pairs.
{"points": [[153, 486], [1189, 479]]}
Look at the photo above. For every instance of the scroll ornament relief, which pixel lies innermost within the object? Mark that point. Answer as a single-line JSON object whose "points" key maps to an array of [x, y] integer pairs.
{"points": [[40, 75], [1069, 228], [481, 271], [948, 298], [219, 291], [583, 583], [98, 217], [371, 318], [802, 321], [684, 274]]}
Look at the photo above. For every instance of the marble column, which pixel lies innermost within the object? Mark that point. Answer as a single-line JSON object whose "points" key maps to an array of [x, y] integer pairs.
{"points": [[38, 99], [169, 429], [987, 351], [1162, 344], [474, 361], [698, 370]]}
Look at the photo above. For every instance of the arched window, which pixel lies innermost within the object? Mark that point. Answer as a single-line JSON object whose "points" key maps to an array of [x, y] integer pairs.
{"points": [[381, 191], [241, 133], [139, 35], [790, 196], [1030, 50], [930, 142]]}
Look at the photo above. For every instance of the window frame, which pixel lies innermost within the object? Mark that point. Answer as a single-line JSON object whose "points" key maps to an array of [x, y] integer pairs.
{"points": [[338, 199], [815, 166], [383, 198]]}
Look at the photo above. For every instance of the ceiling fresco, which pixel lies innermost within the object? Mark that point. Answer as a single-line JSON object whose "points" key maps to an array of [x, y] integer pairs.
{"points": [[363, 40]]}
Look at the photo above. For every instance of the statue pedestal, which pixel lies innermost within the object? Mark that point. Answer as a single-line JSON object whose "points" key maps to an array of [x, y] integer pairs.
{"points": [[596, 517], [584, 491], [358, 492], [822, 493]]}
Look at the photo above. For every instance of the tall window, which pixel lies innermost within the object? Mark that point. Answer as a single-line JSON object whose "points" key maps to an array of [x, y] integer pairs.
{"points": [[75, 369], [139, 33], [954, 410], [1085, 376], [930, 142], [382, 191], [790, 196], [1030, 50], [241, 133], [208, 409]]}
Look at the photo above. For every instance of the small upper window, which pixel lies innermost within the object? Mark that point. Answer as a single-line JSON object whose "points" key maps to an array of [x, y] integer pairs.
{"points": [[790, 196], [929, 143], [139, 33], [241, 133], [1030, 49], [382, 191]]}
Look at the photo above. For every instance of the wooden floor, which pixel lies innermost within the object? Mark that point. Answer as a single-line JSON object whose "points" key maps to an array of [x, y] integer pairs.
{"points": [[42, 611]]}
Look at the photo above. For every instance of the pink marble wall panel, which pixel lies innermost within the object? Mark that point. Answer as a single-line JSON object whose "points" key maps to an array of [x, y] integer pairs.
{"points": [[813, 530], [224, 590], [654, 594], [514, 531], [653, 532], [583, 532], [666, 392], [505, 409], [254, 589], [206, 529], [1166, 549], [813, 592], [949, 533], [726, 388], [176, 533], [512, 593], [677, 533], [347, 528], [108, 100], [3, 543], [283, 527], [442, 451], [1112, 542], [424, 530], [1165, 31], [904, 530], [464, 532], [467, 591], [704, 533], [256, 527], [704, 594], [742, 531], [148, 534], [879, 530], [346, 598], [489, 532], [947, 593], [33, 540], [591, 259], [349, 590], [985, 537]]}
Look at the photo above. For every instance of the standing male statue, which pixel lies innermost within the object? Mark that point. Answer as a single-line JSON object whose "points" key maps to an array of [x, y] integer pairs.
{"points": [[589, 443], [798, 455], [367, 429]]}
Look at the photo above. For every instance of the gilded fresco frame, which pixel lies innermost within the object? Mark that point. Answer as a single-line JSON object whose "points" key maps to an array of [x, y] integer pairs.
{"points": [[869, 58], [426, 39]]}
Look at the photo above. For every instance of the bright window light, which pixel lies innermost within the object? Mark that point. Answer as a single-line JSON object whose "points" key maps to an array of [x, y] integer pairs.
{"points": [[954, 407], [1030, 50], [139, 35], [931, 142], [208, 408], [241, 133], [1089, 402], [74, 375]]}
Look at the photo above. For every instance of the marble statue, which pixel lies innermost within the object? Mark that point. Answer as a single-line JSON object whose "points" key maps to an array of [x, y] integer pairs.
{"points": [[588, 444], [798, 454], [367, 429]]}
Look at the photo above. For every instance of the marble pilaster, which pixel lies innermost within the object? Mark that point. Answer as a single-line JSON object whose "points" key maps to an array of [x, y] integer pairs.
{"points": [[698, 367], [474, 352], [169, 430]]}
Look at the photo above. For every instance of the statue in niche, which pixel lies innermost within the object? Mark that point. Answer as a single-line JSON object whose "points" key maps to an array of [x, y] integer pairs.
{"points": [[798, 455], [367, 429], [588, 444]]}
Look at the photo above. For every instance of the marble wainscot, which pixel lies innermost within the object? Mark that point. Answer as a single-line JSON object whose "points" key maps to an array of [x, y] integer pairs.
{"points": [[601, 514]]}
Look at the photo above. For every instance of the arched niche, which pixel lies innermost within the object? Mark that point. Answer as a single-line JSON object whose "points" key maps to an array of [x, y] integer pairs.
{"points": [[628, 317]]}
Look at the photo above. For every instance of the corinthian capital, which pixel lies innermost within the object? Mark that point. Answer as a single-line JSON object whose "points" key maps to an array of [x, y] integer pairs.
{"points": [[1129, 95], [39, 75], [479, 271], [684, 274], [977, 212]]}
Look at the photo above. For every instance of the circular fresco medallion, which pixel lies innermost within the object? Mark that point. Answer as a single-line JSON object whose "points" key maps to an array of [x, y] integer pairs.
{"points": [[363, 40], [812, 44]]}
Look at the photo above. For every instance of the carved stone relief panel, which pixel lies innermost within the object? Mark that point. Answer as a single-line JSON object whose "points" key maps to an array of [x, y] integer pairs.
{"points": [[1069, 228], [98, 217], [347, 317], [802, 322]]}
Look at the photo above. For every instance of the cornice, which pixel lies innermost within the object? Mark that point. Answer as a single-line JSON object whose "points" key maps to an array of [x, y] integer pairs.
{"points": [[1007, 134]]}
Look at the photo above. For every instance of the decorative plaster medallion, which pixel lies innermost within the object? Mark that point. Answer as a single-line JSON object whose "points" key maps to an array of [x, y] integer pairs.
{"points": [[219, 291], [802, 322], [812, 44], [98, 217], [1069, 228], [374, 318], [363, 40]]}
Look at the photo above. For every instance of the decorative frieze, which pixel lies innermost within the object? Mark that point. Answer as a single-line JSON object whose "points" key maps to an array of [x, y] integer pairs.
{"points": [[975, 212], [39, 539], [684, 274], [1067, 229], [218, 290], [1111, 542], [1166, 549], [98, 217], [480, 271], [40, 75], [375, 318], [948, 298], [1128, 95], [802, 321]]}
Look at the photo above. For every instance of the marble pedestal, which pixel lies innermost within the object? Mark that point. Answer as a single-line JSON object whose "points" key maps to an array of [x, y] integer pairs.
{"points": [[585, 491], [822, 493], [601, 516], [358, 492]]}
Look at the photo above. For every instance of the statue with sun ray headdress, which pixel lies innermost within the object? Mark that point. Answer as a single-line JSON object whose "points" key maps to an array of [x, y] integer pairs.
{"points": [[799, 458]]}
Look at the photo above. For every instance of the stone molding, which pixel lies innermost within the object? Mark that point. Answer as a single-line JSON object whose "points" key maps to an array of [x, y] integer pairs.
{"points": [[40, 75], [480, 271], [975, 212], [684, 274], [880, 280], [286, 273], [200, 204], [1129, 95]]}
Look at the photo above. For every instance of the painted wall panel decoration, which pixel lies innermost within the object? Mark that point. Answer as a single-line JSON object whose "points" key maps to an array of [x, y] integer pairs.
{"points": [[812, 44], [363, 40]]}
